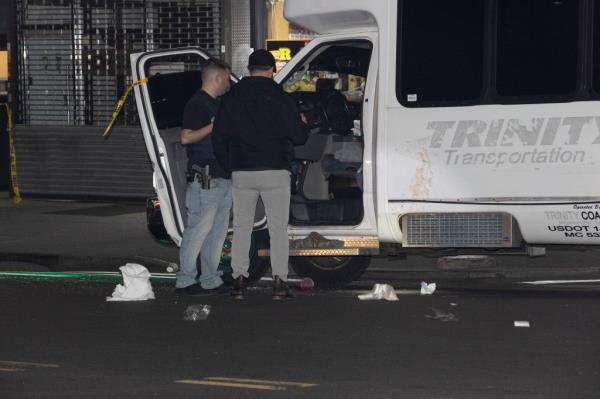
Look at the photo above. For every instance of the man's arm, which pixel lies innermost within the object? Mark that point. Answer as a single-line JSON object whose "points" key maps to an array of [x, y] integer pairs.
{"points": [[189, 136]]}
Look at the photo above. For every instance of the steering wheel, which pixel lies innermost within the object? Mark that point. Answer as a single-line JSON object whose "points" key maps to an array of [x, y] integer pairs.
{"points": [[309, 106]]}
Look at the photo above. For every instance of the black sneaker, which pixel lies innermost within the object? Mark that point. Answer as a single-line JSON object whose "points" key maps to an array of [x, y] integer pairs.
{"points": [[193, 290], [239, 285], [281, 290], [222, 289]]}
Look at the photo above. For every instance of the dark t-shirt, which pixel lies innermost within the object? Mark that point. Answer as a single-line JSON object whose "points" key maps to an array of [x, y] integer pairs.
{"points": [[198, 112]]}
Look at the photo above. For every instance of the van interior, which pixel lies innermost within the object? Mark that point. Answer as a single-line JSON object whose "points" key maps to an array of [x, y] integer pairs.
{"points": [[328, 87]]}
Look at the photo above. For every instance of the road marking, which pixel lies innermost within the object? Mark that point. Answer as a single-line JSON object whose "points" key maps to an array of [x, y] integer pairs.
{"points": [[246, 383], [547, 282], [521, 323], [271, 382], [10, 369], [231, 385], [13, 364]]}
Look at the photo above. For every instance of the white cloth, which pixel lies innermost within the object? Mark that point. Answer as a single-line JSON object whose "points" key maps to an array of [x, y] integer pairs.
{"points": [[380, 291], [136, 284]]}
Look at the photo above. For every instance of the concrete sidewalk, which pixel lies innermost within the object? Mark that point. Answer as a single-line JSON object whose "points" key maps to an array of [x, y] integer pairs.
{"points": [[70, 235]]}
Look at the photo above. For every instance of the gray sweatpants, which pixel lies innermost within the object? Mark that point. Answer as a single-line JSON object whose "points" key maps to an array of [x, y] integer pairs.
{"points": [[273, 186]]}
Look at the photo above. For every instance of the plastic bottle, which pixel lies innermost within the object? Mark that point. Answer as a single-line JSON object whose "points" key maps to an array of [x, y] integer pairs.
{"points": [[307, 284]]}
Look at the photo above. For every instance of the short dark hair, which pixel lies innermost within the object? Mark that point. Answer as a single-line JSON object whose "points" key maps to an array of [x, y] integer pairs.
{"points": [[214, 64]]}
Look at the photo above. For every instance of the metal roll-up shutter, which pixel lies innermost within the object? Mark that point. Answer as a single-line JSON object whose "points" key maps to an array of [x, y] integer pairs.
{"points": [[73, 161], [73, 66]]}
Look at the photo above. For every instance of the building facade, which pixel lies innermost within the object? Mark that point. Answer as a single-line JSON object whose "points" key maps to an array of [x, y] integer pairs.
{"points": [[70, 65]]}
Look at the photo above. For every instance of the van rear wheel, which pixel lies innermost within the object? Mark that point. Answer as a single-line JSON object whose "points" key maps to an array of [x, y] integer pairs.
{"points": [[330, 271]]}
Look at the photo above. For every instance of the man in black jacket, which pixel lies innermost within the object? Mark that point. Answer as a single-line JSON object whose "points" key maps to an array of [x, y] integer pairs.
{"points": [[254, 135]]}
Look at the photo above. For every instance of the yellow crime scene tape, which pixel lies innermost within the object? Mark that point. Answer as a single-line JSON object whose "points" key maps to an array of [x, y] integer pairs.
{"points": [[12, 155], [120, 105]]}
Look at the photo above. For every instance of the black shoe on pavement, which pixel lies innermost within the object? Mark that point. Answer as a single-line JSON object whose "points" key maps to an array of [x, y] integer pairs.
{"points": [[239, 285], [193, 290], [222, 289], [281, 290]]}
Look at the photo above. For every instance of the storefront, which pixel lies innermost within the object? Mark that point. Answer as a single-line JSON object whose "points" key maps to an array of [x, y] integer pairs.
{"points": [[71, 63]]}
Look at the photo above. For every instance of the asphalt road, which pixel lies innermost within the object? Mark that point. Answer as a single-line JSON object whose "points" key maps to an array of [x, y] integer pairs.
{"points": [[61, 339]]}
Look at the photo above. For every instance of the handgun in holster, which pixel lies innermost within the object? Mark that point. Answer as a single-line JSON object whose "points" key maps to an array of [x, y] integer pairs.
{"points": [[202, 174]]}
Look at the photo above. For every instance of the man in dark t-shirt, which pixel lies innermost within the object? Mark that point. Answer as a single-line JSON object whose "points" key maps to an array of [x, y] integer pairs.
{"points": [[209, 204]]}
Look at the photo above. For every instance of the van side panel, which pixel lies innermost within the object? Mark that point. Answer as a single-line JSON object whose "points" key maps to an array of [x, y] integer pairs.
{"points": [[538, 162]]}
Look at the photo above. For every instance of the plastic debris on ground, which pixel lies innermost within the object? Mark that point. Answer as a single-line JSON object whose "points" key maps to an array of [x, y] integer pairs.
{"points": [[427, 289], [196, 312], [379, 292], [521, 323], [441, 315], [136, 284], [172, 267], [306, 284]]}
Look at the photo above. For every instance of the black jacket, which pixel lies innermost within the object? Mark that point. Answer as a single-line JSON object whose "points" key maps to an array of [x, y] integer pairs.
{"points": [[257, 126]]}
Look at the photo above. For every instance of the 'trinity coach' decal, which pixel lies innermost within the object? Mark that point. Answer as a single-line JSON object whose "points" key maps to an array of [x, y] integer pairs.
{"points": [[556, 140]]}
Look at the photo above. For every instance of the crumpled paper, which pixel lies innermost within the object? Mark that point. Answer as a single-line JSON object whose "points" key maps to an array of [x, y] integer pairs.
{"points": [[427, 289], [380, 291], [136, 284]]}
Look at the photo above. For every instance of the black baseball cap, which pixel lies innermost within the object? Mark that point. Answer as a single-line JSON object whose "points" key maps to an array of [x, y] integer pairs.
{"points": [[262, 59]]}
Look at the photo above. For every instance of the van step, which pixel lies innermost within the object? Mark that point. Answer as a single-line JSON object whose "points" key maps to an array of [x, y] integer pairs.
{"points": [[317, 245]]}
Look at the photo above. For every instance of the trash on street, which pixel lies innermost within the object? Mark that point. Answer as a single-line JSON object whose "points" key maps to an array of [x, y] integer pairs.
{"points": [[136, 284], [380, 291], [427, 289], [196, 312], [306, 284], [441, 315], [521, 323], [172, 267]]}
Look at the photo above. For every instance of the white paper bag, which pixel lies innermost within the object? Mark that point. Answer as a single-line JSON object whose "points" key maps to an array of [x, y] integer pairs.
{"points": [[136, 284]]}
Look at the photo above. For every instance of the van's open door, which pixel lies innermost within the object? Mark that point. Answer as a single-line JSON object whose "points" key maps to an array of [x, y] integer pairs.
{"points": [[173, 77]]}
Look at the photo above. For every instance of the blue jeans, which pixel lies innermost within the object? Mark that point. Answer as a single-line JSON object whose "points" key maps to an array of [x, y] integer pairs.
{"points": [[207, 222]]}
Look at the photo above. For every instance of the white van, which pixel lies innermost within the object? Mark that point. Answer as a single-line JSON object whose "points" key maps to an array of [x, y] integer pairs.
{"points": [[464, 124]]}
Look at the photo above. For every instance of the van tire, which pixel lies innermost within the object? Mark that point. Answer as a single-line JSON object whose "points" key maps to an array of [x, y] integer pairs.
{"points": [[330, 271]]}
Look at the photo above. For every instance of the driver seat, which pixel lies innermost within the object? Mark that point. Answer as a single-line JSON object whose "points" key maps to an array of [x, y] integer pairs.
{"points": [[335, 107]]}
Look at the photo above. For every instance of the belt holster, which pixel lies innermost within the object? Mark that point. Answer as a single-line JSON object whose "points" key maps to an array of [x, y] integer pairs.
{"points": [[201, 174]]}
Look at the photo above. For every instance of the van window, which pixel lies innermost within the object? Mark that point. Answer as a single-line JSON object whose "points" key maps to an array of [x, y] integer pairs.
{"points": [[441, 51], [173, 80], [537, 47]]}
